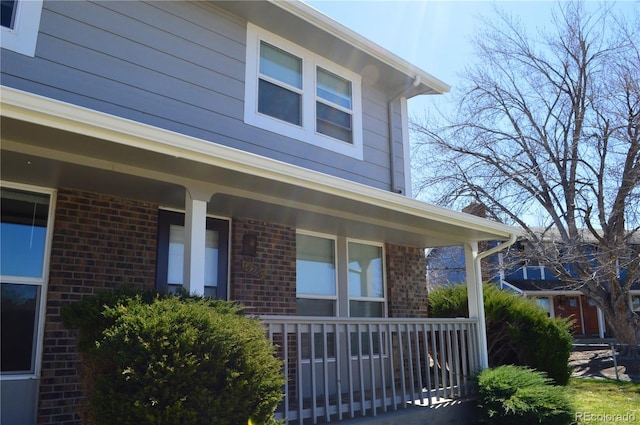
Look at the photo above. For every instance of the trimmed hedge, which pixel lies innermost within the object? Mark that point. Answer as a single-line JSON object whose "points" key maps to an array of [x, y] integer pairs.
{"points": [[172, 360], [515, 395], [519, 332]]}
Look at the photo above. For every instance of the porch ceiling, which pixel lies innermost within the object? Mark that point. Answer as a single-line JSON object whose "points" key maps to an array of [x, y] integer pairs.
{"points": [[52, 144]]}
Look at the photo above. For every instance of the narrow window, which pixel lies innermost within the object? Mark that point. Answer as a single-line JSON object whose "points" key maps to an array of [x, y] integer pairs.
{"points": [[333, 106], [280, 84], [24, 223], [366, 281], [315, 276], [171, 254]]}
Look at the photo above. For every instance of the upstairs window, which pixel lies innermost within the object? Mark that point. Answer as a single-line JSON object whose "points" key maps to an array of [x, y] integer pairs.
{"points": [[280, 85], [8, 13], [19, 25], [298, 94], [333, 106]]}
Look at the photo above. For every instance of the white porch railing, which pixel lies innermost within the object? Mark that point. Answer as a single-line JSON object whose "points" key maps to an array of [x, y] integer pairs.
{"points": [[338, 368]]}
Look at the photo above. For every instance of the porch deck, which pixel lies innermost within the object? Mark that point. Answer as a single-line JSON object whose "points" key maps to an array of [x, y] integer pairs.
{"points": [[339, 369]]}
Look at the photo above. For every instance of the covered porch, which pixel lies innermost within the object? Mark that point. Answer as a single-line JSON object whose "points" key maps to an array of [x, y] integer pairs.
{"points": [[337, 368]]}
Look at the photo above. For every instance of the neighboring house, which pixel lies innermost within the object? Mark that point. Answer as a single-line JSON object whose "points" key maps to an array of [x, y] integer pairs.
{"points": [[529, 278], [533, 279], [251, 151]]}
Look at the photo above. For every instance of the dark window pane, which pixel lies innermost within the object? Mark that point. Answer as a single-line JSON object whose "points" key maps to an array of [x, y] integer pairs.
{"points": [[364, 348], [8, 13], [311, 307], [366, 309], [279, 103], [318, 345], [18, 314], [24, 229], [333, 122]]}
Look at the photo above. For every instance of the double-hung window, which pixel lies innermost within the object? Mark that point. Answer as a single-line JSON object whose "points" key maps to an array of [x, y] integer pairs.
{"points": [[316, 289], [280, 85], [296, 93], [25, 228], [366, 281], [334, 110], [19, 25]]}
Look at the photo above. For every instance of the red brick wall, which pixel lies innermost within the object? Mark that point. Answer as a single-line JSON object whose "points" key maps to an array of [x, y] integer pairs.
{"points": [[264, 283], [406, 281], [99, 241]]}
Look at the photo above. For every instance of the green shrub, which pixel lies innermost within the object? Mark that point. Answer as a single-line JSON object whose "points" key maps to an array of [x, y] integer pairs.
{"points": [[518, 330], [517, 395], [176, 361]]}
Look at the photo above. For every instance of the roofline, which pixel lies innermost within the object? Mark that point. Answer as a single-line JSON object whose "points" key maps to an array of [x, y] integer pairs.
{"points": [[315, 17], [53, 113]]}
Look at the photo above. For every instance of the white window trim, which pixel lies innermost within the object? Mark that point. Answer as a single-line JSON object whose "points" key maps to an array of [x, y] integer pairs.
{"points": [[23, 37], [382, 299], [310, 62], [42, 282]]}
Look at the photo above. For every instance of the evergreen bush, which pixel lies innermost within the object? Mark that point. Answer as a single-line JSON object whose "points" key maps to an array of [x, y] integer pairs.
{"points": [[519, 332], [175, 360], [515, 395]]}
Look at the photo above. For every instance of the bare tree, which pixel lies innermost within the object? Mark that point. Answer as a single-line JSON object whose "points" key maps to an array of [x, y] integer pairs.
{"points": [[549, 126]]}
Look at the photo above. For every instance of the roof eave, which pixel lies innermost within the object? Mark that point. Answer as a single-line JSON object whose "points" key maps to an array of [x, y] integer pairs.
{"points": [[428, 84]]}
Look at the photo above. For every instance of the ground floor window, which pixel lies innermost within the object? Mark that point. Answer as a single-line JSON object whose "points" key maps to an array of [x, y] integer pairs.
{"points": [[635, 303], [25, 228], [366, 280], [545, 304], [171, 254], [316, 289], [339, 277]]}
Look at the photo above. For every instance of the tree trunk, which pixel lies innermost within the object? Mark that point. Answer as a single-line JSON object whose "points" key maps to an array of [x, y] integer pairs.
{"points": [[623, 321]]}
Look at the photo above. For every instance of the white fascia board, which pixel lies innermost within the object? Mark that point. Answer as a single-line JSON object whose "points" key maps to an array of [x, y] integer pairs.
{"points": [[64, 116], [324, 22]]}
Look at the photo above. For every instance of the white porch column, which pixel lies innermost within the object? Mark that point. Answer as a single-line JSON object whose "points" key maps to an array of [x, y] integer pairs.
{"points": [[601, 327], [475, 298], [195, 227]]}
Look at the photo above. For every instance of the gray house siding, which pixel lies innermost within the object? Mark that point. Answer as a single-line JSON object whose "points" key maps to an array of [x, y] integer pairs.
{"points": [[179, 66]]}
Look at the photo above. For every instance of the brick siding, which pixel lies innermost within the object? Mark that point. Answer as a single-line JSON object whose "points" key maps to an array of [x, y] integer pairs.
{"points": [[264, 283], [406, 281], [99, 241]]}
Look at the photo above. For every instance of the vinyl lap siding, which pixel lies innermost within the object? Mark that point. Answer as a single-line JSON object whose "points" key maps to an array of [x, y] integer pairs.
{"points": [[179, 66]]}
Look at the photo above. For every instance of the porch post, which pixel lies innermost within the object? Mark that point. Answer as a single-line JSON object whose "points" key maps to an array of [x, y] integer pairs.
{"points": [[601, 327], [195, 227], [475, 298]]}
